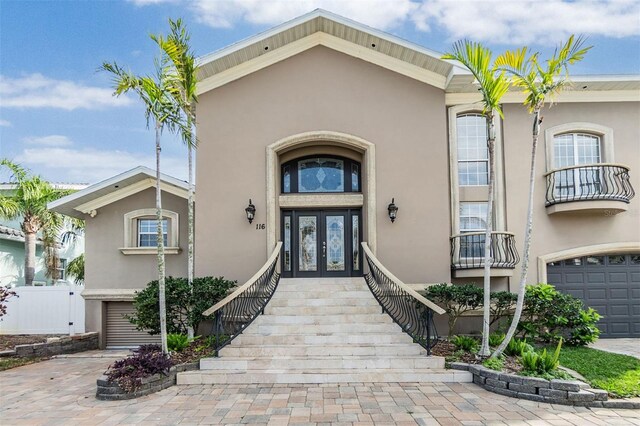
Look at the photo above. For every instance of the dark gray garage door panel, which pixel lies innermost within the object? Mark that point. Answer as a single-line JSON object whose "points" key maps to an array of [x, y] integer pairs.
{"points": [[609, 284]]}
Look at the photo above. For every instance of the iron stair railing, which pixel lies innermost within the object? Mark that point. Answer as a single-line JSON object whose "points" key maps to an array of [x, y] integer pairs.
{"points": [[235, 312], [410, 310]]}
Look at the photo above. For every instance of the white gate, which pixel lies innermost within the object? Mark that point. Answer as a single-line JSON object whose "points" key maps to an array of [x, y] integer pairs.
{"points": [[44, 310]]}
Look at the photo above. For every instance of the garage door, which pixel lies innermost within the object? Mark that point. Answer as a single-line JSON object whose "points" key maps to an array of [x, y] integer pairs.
{"points": [[610, 284], [120, 332]]}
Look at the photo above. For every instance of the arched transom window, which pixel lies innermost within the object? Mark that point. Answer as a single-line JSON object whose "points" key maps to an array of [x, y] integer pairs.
{"points": [[320, 174]]}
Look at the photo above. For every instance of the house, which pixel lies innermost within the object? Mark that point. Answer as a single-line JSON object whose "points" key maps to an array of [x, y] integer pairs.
{"points": [[12, 249], [325, 125]]}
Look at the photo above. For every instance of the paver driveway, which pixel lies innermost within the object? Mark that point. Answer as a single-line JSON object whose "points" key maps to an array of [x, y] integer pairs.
{"points": [[61, 391], [626, 346]]}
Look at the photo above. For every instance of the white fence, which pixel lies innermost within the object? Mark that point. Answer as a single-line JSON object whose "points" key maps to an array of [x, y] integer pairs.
{"points": [[45, 310]]}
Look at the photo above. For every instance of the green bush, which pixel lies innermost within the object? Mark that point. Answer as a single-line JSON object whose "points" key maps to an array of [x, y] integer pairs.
{"points": [[501, 304], [184, 307], [494, 364], [517, 347], [549, 316], [541, 363], [495, 339], [455, 300], [177, 342], [465, 343]]}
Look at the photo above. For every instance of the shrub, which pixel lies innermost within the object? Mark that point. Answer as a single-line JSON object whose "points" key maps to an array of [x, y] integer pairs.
{"points": [[5, 294], [177, 342], [541, 363], [501, 304], [184, 307], [494, 364], [145, 362], [465, 343], [495, 339], [455, 300], [549, 316], [517, 347]]}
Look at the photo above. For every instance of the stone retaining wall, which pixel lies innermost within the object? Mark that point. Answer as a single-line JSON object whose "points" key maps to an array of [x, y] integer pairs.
{"points": [[113, 392], [56, 346], [566, 392]]}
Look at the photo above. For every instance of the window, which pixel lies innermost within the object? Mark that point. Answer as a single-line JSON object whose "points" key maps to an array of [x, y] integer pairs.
{"points": [[61, 269], [473, 154], [321, 175], [141, 233], [473, 217], [575, 149], [148, 232]]}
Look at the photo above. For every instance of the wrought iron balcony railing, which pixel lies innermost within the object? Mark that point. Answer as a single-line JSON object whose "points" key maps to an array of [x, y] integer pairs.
{"points": [[467, 250], [588, 182], [235, 312], [411, 311]]}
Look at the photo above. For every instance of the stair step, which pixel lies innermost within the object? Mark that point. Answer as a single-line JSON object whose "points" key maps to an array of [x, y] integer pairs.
{"points": [[346, 301], [302, 319], [322, 310], [313, 329], [311, 288], [398, 349], [322, 294], [324, 376], [310, 339], [322, 363]]}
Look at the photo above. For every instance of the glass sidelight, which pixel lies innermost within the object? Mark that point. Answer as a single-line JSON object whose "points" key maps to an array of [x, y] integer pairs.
{"points": [[321, 243]]}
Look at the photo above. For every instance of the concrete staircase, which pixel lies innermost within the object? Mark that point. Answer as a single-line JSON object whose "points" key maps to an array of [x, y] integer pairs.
{"points": [[322, 330]]}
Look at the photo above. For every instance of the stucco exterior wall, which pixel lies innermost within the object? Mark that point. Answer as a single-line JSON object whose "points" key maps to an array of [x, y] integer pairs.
{"points": [[107, 268], [562, 231], [321, 89]]}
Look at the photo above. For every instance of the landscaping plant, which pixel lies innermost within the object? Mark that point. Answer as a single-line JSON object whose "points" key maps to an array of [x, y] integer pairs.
{"points": [[5, 294], [177, 342], [455, 300], [145, 362], [495, 339], [541, 363], [465, 343], [517, 347], [184, 304], [496, 364], [501, 304]]}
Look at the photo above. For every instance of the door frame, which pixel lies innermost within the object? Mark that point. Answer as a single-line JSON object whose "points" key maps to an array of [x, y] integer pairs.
{"points": [[321, 215]]}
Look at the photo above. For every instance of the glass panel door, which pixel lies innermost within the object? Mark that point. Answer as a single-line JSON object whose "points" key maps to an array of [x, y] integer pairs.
{"points": [[308, 243], [334, 244]]}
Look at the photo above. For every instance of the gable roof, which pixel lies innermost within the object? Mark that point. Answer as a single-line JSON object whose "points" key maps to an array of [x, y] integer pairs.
{"points": [[323, 28], [88, 200]]}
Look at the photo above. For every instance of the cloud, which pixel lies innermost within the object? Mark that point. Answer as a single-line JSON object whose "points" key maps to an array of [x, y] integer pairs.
{"points": [[5, 123], [497, 21], [38, 91], [51, 140], [93, 165], [522, 22]]}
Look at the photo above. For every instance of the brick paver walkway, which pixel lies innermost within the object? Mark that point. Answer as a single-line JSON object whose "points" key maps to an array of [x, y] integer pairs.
{"points": [[61, 391], [626, 346]]}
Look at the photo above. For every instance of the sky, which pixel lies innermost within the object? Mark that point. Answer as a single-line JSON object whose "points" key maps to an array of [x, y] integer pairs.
{"points": [[59, 119]]}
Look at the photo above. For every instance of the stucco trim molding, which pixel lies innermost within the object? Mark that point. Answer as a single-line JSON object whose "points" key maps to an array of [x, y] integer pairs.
{"points": [[605, 133], [130, 232], [308, 138], [110, 294], [597, 249], [322, 200], [566, 96]]}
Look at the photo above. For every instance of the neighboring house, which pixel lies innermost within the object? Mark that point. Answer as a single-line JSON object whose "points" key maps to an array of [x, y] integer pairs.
{"points": [[12, 249], [323, 122]]}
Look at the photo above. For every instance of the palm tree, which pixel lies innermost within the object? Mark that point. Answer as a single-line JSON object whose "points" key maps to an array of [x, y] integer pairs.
{"points": [[176, 47], [492, 85], [158, 94], [29, 201], [538, 82]]}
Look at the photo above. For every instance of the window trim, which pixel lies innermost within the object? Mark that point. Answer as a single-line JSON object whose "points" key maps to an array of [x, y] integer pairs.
{"points": [[604, 133], [131, 232], [473, 160]]}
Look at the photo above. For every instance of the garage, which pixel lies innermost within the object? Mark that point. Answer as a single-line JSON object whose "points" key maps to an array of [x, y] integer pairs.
{"points": [[608, 283], [120, 332]]}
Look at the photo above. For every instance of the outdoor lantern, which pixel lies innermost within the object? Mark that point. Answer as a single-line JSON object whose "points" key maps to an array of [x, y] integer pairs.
{"points": [[251, 211], [393, 210]]}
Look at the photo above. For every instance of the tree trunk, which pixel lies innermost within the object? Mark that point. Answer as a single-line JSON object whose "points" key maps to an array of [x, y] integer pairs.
{"points": [[190, 225], [161, 266], [29, 257], [527, 238], [486, 312]]}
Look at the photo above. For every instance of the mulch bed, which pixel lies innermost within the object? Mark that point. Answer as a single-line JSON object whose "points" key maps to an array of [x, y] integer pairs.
{"points": [[447, 349], [10, 341], [196, 350]]}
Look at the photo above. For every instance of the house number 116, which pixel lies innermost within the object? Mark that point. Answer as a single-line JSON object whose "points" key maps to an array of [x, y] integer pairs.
{"points": [[261, 226]]}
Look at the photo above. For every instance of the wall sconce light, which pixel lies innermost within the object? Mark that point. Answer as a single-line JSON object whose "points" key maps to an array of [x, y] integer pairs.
{"points": [[393, 210], [250, 211]]}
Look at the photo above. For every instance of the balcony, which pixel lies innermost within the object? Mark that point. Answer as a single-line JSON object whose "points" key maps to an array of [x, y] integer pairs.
{"points": [[467, 254], [601, 188]]}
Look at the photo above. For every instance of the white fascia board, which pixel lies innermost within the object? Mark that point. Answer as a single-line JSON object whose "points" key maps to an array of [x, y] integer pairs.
{"points": [[567, 96]]}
